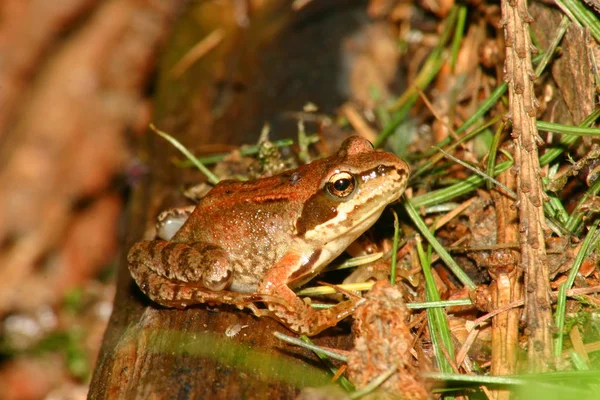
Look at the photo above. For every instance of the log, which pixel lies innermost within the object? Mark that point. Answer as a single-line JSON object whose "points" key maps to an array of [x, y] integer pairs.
{"points": [[255, 73]]}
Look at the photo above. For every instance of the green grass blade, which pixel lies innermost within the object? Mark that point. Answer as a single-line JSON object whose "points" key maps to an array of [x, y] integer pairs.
{"points": [[212, 178], [444, 255], [436, 318], [446, 194], [590, 242]]}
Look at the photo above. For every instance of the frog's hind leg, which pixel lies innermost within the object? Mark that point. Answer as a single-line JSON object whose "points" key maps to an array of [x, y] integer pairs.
{"points": [[160, 266], [179, 275]]}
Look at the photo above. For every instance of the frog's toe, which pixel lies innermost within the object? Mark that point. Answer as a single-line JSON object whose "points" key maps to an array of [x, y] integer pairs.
{"points": [[217, 278]]}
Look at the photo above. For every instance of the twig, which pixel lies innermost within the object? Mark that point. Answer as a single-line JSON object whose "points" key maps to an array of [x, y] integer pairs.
{"points": [[197, 52], [523, 107]]}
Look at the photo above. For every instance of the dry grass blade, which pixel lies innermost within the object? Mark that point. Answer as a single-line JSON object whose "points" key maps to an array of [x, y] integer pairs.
{"points": [[506, 287]]}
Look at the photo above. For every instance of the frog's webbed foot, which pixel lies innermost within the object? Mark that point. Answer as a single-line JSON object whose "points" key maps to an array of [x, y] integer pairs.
{"points": [[309, 321], [301, 318], [291, 310]]}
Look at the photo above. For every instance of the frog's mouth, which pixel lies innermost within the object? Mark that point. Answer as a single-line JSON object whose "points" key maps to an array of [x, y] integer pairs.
{"points": [[364, 223]]}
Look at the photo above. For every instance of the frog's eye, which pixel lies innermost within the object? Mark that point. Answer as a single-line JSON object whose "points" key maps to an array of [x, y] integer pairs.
{"points": [[341, 184]]}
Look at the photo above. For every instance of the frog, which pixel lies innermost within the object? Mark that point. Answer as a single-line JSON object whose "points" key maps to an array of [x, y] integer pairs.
{"points": [[248, 243]]}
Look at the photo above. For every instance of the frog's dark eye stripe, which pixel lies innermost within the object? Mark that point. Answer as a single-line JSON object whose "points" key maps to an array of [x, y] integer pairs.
{"points": [[341, 184]]}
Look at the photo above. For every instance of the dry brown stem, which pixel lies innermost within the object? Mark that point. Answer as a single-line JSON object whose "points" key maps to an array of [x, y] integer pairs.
{"points": [[523, 106], [506, 287]]}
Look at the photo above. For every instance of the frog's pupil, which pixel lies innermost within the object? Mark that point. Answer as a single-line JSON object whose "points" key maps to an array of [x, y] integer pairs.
{"points": [[341, 184]]}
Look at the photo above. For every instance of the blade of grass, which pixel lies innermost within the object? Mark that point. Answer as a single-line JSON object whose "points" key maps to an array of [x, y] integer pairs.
{"points": [[320, 290], [436, 319], [458, 35], [556, 378], [430, 69], [491, 162], [442, 303], [559, 319], [212, 178], [567, 130], [484, 107], [440, 196], [446, 194], [356, 261], [424, 76], [444, 255], [343, 382], [590, 242], [560, 32], [557, 210], [245, 151], [582, 14], [310, 346], [581, 365], [416, 306], [577, 361], [501, 90], [575, 220], [567, 140], [485, 176], [435, 158], [374, 384]]}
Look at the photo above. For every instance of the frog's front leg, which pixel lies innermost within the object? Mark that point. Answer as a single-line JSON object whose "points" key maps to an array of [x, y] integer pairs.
{"points": [[180, 274], [291, 309]]}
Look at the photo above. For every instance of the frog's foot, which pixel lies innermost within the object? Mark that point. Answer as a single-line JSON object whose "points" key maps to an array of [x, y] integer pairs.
{"points": [[301, 318]]}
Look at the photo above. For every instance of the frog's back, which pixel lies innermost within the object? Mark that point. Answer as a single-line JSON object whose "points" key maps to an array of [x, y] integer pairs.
{"points": [[235, 212]]}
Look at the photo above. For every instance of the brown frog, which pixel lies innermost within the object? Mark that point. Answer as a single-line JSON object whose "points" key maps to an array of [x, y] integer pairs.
{"points": [[249, 242]]}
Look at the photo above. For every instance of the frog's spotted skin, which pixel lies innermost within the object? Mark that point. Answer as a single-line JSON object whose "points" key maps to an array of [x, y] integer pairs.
{"points": [[253, 241]]}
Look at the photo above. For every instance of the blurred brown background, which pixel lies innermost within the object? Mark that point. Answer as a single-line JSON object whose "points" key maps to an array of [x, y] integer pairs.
{"points": [[74, 78]]}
